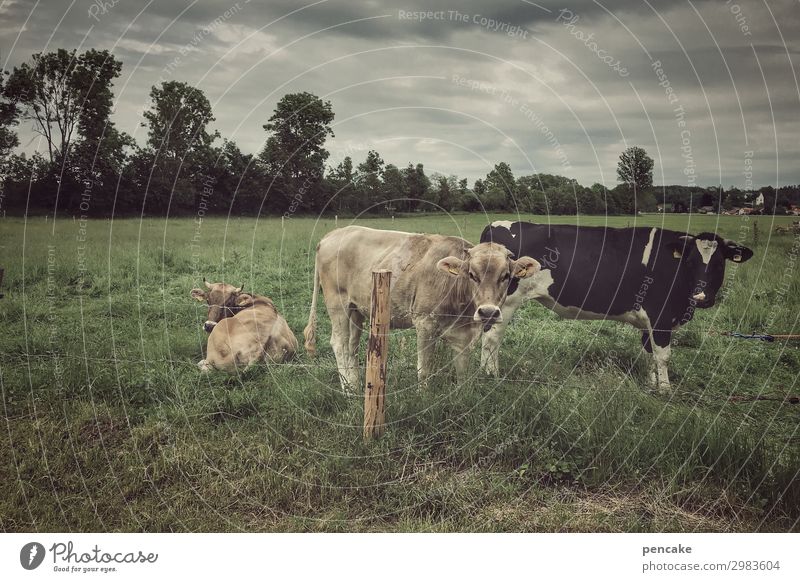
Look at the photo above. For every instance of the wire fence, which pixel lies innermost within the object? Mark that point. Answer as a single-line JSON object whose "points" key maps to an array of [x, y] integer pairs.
{"points": [[773, 396]]}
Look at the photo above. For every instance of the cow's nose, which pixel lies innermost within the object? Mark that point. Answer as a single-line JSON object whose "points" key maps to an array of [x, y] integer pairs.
{"points": [[489, 312], [208, 326]]}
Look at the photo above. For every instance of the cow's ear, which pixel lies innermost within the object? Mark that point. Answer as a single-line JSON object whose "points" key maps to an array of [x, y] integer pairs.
{"points": [[207, 284], [736, 252], [524, 267], [244, 300], [198, 294], [451, 265]]}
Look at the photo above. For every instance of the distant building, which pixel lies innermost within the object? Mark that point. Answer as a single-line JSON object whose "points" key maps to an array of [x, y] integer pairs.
{"points": [[754, 199]]}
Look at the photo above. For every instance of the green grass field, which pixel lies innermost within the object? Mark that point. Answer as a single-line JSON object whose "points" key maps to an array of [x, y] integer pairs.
{"points": [[108, 425]]}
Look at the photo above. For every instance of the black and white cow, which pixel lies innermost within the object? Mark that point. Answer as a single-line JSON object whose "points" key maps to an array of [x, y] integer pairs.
{"points": [[652, 278]]}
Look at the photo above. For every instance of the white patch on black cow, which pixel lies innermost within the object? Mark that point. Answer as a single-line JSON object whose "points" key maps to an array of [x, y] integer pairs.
{"points": [[648, 248], [661, 356], [504, 224], [538, 288], [706, 248]]}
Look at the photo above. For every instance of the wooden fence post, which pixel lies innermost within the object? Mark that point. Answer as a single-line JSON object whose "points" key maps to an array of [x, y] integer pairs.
{"points": [[755, 232], [377, 356], [2, 272]]}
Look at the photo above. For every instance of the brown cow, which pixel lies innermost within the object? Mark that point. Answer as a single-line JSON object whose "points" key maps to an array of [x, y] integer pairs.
{"points": [[243, 329], [443, 286]]}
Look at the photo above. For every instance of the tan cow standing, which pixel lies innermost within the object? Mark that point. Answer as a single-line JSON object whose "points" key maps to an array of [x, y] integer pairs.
{"points": [[443, 286], [243, 329]]}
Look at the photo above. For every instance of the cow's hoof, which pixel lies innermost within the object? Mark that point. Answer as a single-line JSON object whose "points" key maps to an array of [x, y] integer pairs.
{"points": [[491, 371], [204, 366]]}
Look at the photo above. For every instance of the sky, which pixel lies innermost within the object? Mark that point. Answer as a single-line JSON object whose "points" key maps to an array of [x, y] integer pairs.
{"points": [[709, 88]]}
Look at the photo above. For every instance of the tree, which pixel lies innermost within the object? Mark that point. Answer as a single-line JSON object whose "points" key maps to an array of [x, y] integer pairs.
{"points": [[501, 188], [8, 119], [635, 171], [294, 155], [23, 178], [177, 120], [342, 179], [96, 165], [417, 185], [734, 198], [589, 202], [65, 95], [238, 183], [474, 199], [635, 168], [446, 195], [369, 179], [395, 190], [180, 154]]}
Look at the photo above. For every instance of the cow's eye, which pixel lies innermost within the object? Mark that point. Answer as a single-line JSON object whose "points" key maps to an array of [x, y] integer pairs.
{"points": [[504, 278], [474, 277]]}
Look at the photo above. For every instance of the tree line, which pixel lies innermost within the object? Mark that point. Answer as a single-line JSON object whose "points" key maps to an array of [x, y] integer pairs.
{"points": [[91, 168]]}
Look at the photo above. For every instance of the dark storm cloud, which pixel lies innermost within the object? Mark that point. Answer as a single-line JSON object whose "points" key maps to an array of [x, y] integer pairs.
{"points": [[553, 86]]}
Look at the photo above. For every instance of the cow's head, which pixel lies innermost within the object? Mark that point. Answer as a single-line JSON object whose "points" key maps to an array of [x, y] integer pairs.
{"points": [[222, 302], [487, 271], [703, 257]]}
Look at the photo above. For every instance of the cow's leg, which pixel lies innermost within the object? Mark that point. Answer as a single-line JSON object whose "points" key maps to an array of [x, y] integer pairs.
{"points": [[491, 340], [461, 344], [356, 327], [426, 344], [647, 346], [661, 353], [340, 342], [490, 347]]}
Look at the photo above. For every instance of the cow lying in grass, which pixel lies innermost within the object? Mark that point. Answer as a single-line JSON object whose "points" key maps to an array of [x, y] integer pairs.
{"points": [[651, 278], [443, 286], [243, 329]]}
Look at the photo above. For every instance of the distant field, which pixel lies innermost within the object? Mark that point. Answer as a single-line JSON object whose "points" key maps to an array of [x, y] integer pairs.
{"points": [[108, 425]]}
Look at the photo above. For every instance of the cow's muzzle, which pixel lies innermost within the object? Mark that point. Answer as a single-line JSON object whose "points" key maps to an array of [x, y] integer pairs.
{"points": [[488, 315], [209, 326]]}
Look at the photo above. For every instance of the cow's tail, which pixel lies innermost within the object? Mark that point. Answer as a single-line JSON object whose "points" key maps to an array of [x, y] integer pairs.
{"points": [[310, 332]]}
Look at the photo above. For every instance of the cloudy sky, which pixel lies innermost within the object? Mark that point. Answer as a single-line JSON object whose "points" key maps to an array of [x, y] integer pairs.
{"points": [[709, 89]]}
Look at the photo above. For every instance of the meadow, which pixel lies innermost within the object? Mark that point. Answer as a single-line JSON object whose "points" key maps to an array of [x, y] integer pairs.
{"points": [[108, 425]]}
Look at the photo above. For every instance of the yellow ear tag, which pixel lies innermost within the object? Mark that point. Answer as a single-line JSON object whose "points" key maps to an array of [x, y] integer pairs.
{"points": [[677, 254], [453, 271], [737, 258]]}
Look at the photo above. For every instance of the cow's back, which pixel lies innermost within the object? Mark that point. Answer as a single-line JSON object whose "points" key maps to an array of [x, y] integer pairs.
{"points": [[346, 258], [597, 269], [247, 337]]}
